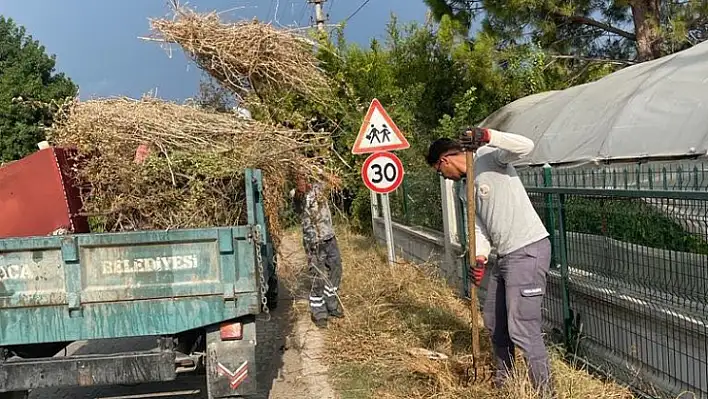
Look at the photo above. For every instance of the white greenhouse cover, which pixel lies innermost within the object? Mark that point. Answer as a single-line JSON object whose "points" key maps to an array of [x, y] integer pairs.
{"points": [[654, 109]]}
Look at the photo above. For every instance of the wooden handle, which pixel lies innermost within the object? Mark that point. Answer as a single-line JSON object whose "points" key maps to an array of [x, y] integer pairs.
{"points": [[471, 210], [472, 250]]}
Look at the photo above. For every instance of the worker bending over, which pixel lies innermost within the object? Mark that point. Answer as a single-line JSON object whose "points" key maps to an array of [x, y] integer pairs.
{"points": [[323, 258], [505, 219]]}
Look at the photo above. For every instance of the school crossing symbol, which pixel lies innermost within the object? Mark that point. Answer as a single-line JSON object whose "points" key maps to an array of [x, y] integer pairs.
{"points": [[378, 132]]}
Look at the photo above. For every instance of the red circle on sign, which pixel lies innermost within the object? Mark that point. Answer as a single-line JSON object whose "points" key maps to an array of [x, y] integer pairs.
{"points": [[376, 167]]}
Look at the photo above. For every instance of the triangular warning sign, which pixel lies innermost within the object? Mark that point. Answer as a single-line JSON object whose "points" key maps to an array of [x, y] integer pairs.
{"points": [[378, 132]]}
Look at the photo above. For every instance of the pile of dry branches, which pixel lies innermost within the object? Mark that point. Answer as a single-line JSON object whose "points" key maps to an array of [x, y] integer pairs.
{"points": [[246, 55], [194, 173]]}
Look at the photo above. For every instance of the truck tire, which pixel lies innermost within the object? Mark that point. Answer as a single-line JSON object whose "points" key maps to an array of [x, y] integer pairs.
{"points": [[14, 395]]}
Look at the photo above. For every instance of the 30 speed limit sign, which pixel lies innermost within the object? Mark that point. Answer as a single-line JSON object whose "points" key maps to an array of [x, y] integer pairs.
{"points": [[382, 172]]}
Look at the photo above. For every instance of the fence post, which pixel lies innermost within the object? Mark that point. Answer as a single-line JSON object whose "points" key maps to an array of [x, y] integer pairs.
{"points": [[461, 219], [449, 219], [559, 251], [550, 213], [404, 193]]}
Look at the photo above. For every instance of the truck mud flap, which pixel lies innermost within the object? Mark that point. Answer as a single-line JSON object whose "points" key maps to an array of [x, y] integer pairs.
{"points": [[124, 368], [231, 364]]}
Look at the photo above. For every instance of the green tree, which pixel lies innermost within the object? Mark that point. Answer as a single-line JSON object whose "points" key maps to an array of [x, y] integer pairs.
{"points": [[423, 74], [626, 30], [432, 80], [27, 78]]}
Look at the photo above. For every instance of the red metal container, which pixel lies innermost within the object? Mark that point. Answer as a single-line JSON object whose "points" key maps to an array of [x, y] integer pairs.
{"points": [[38, 196]]}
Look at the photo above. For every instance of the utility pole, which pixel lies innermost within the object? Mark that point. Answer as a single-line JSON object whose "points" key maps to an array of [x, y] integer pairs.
{"points": [[319, 13]]}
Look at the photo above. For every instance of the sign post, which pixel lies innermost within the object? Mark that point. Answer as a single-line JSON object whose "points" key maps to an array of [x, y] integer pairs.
{"points": [[390, 249], [382, 171]]}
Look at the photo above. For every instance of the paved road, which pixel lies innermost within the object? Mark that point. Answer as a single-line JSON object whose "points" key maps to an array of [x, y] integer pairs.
{"points": [[271, 343]]}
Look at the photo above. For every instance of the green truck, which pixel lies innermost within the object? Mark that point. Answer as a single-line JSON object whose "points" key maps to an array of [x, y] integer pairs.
{"points": [[197, 291]]}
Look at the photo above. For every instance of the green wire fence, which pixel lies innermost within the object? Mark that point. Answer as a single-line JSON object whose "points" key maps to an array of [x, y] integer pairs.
{"points": [[627, 292], [418, 202]]}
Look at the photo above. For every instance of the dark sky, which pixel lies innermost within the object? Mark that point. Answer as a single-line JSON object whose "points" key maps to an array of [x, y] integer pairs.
{"points": [[96, 41]]}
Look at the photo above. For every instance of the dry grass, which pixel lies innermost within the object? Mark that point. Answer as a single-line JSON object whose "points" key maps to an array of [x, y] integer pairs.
{"points": [[392, 309], [245, 55], [194, 176]]}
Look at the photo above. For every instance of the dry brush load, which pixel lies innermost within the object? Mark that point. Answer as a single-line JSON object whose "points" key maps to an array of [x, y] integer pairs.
{"points": [[193, 175], [245, 56]]}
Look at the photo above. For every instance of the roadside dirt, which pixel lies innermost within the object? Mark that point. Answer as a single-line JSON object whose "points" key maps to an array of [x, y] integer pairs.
{"points": [[304, 373]]}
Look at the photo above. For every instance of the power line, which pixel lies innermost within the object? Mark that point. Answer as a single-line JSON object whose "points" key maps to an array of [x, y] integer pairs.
{"points": [[357, 10], [302, 13], [270, 8]]}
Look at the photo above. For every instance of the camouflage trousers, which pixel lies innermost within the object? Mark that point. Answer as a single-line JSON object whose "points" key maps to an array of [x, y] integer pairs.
{"points": [[325, 268]]}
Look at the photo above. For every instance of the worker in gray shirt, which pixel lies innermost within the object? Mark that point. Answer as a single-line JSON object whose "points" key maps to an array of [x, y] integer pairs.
{"points": [[506, 220], [323, 257]]}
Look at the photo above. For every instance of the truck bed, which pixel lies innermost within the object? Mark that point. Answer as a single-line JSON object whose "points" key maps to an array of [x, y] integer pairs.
{"points": [[113, 285], [124, 284]]}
